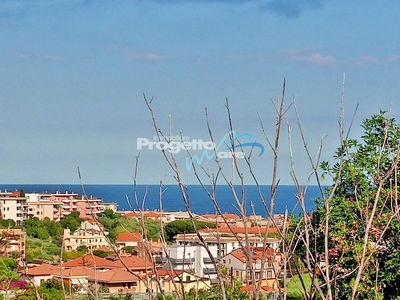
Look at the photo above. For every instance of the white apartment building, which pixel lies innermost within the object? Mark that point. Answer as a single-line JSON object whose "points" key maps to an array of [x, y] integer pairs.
{"points": [[13, 206], [192, 258], [225, 243]]}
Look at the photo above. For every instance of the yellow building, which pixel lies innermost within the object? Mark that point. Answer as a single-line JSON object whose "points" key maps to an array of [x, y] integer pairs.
{"points": [[90, 234]]}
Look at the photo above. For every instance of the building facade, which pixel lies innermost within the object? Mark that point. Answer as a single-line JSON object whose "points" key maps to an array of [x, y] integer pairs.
{"points": [[13, 206]]}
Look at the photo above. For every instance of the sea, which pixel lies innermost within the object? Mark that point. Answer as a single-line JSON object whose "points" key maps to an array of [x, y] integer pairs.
{"points": [[147, 197]]}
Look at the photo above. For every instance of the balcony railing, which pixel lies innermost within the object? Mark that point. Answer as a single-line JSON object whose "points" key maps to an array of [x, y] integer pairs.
{"points": [[209, 271], [181, 260], [207, 260]]}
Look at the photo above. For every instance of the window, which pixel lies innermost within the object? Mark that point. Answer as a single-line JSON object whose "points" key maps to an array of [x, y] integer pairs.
{"points": [[187, 278]]}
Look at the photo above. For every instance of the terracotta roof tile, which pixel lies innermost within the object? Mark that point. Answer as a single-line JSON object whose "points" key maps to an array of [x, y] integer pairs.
{"points": [[114, 276], [43, 269], [76, 272], [129, 237], [133, 262], [88, 260]]}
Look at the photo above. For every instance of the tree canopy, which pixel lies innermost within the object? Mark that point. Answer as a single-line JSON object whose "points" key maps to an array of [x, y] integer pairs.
{"points": [[362, 215]]}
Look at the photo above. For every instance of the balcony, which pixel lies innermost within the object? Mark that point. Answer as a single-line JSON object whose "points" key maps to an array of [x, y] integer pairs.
{"points": [[209, 271], [207, 260], [181, 260]]}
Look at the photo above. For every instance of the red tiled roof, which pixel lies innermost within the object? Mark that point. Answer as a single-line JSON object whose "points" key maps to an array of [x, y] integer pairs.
{"points": [[132, 214], [133, 263], [113, 276], [257, 253], [75, 272], [129, 237], [88, 260], [43, 269], [15, 194], [165, 273], [95, 222]]}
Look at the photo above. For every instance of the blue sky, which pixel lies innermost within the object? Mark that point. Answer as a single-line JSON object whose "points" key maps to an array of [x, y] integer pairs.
{"points": [[74, 73]]}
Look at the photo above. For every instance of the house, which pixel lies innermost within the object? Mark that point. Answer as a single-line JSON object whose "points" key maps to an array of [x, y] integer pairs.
{"points": [[90, 234], [109, 205], [169, 281], [128, 239], [118, 281], [164, 217], [39, 274], [77, 276], [89, 260], [13, 242], [225, 218], [240, 231], [239, 265], [139, 265]]}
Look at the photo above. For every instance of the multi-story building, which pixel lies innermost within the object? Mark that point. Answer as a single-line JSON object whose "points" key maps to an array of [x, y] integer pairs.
{"points": [[125, 240], [225, 242], [59, 205], [240, 265], [193, 258], [13, 206], [13, 243], [41, 206], [90, 234]]}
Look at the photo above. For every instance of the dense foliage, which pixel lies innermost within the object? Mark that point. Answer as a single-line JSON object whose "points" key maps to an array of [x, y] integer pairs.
{"points": [[178, 226], [115, 224], [364, 224]]}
